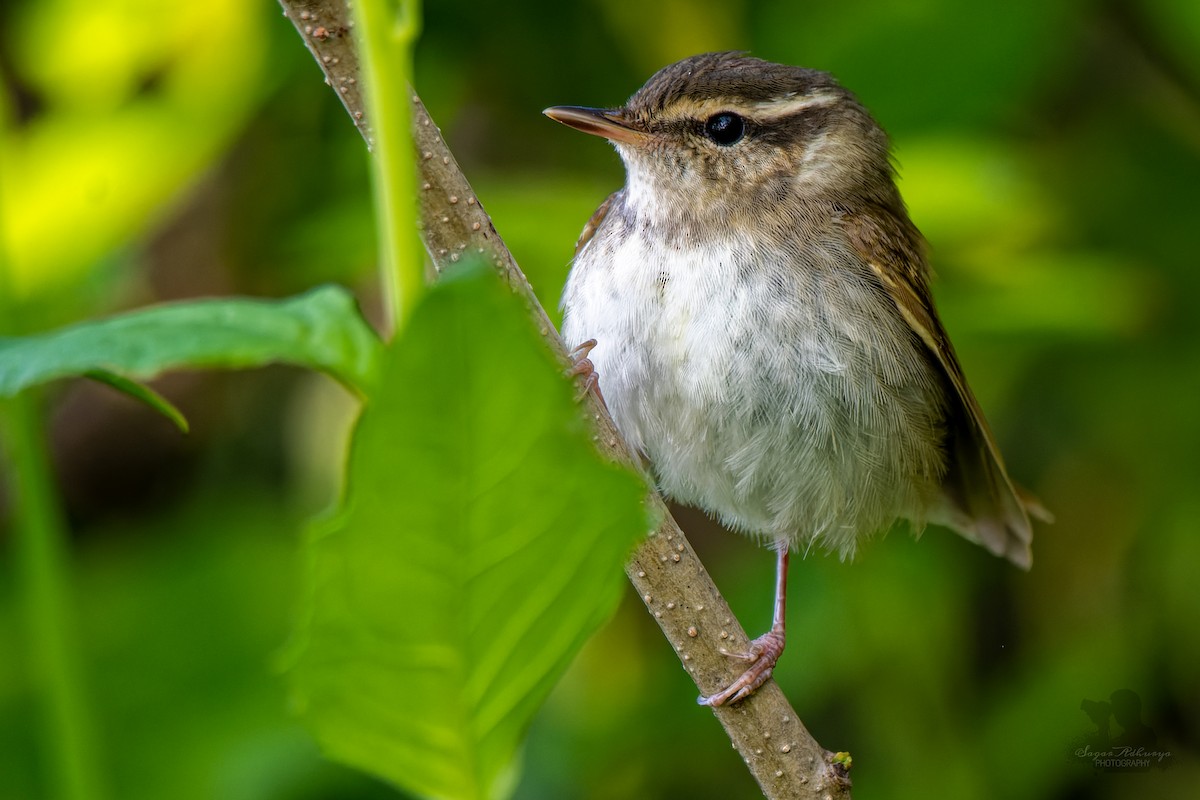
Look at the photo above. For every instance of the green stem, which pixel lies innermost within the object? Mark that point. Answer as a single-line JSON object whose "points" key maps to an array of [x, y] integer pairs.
{"points": [[42, 567], [39, 536], [386, 31]]}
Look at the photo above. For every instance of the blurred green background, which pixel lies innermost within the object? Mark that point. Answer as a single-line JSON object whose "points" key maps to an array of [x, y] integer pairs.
{"points": [[1050, 151]]}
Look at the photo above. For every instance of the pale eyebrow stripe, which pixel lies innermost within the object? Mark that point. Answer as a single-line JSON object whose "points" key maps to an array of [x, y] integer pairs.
{"points": [[765, 111], [774, 109]]}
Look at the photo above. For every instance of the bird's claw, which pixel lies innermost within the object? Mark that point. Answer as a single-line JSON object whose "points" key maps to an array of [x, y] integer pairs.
{"points": [[762, 654], [582, 367]]}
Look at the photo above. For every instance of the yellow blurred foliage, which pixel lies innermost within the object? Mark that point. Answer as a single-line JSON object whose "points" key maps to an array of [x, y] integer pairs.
{"points": [[134, 100]]}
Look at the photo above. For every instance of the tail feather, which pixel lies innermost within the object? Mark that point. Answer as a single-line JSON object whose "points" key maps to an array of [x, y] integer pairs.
{"points": [[981, 502]]}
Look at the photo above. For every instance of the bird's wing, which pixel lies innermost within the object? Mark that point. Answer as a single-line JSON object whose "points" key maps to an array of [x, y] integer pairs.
{"points": [[594, 223], [983, 504]]}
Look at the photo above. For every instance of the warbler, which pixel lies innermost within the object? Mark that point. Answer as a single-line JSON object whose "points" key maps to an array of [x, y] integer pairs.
{"points": [[755, 303]]}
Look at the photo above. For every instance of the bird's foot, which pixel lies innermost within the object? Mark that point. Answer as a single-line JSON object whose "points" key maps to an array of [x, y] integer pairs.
{"points": [[583, 368], [762, 655]]}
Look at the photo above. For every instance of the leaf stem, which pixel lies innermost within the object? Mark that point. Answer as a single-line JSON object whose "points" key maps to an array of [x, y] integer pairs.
{"points": [[52, 650], [386, 31]]}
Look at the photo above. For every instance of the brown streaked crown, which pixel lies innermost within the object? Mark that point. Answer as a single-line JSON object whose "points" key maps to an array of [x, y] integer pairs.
{"points": [[729, 76]]}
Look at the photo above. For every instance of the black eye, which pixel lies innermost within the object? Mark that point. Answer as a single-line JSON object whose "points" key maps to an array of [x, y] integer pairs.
{"points": [[725, 128]]}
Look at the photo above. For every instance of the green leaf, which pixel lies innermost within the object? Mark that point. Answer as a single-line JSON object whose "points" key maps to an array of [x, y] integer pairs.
{"points": [[321, 329], [140, 391], [479, 544]]}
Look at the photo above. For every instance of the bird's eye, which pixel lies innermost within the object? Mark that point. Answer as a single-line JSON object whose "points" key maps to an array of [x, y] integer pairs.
{"points": [[725, 128]]}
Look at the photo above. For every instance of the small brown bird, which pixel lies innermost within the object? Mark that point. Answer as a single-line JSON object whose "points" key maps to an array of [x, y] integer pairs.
{"points": [[764, 330]]}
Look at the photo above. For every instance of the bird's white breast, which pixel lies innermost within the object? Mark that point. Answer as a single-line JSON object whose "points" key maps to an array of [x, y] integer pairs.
{"points": [[762, 385]]}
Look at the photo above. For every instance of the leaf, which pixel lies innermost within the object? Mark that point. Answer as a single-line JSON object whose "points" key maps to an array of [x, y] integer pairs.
{"points": [[321, 329], [140, 391], [479, 544]]}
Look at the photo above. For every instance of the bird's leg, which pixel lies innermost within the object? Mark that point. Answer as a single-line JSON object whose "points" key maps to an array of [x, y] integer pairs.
{"points": [[583, 367], [763, 651]]}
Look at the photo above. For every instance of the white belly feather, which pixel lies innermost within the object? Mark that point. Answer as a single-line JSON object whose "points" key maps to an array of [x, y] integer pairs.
{"points": [[768, 395]]}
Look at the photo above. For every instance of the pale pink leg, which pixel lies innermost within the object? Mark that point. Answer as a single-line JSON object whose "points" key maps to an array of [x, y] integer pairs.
{"points": [[764, 651]]}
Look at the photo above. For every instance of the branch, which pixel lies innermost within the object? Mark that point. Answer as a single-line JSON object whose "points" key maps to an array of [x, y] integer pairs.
{"points": [[779, 752]]}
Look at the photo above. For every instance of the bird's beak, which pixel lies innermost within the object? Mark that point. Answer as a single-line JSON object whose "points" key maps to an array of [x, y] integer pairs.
{"points": [[604, 122]]}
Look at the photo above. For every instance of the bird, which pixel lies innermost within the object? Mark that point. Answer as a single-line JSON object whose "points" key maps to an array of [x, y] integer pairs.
{"points": [[754, 308]]}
